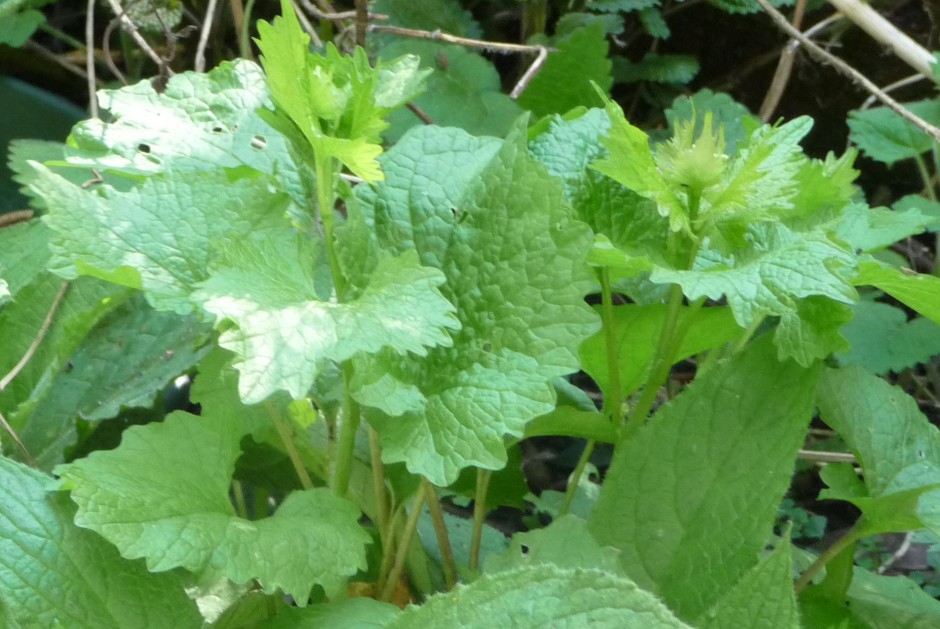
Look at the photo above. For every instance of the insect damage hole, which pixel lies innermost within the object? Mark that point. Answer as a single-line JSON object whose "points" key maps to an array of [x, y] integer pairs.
{"points": [[143, 148], [259, 143]]}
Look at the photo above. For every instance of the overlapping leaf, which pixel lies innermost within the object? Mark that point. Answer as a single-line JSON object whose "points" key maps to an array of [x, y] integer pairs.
{"points": [[200, 122], [53, 573], [285, 330], [338, 103], [884, 340], [495, 223], [565, 81], [153, 499], [898, 449], [673, 499], [779, 268], [542, 595], [159, 236], [463, 90]]}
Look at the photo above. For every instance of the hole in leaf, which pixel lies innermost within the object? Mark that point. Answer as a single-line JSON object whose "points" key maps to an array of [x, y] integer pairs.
{"points": [[143, 148], [525, 549], [259, 143], [217, 129], [487, 347]]}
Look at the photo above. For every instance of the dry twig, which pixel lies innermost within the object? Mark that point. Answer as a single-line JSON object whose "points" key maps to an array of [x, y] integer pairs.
{"points": [[489, 46], [135, 34], [200, 62], [845, 68]]}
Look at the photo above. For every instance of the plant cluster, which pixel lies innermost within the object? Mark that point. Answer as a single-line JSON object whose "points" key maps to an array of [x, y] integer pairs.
{"points": [[371, 333]]}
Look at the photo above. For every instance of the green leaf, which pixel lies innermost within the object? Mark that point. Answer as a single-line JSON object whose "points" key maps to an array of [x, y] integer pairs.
{"points": [[286, 331], [571, 422], [496, 224], [539, 596], [884, 340], [920, 292], [565, 543], [24, 253], [884, 136], [656, 68], [729, 115], [83, 303], [158, 237], [54, 574], [627, 220], [125, 361], [654, 23], [637, 329], [152, 498], [779, 268], [897, 448], [762, 598], [200, 122], [630, 162], [565, 81], [873, 602], [668, 503], [460, 533], [868, 229], [16, 29], [926, 207], [463, 90], [336, 102]]}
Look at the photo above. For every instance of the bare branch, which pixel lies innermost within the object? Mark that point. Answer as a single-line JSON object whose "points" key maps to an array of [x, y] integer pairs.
{"points": [[43, 329], [855, 75], [90, 58], [200, 63], [135, 35]]}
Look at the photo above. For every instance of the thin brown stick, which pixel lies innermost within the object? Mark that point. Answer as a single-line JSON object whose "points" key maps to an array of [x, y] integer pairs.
{"points": [[90, 58], [822, 456], [106, 47], [61, 60], [16, 438], [888, 35], [362, 22], [849, 71], [43, 329], [200, 62], [135, 34], [306, 25], [420, 113], [16, 216], [334, 16], [490, 46], [529, 74]]}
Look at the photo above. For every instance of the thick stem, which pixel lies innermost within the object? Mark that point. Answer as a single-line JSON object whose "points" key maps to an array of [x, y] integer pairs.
{"points": [[659, 370], [401, 554], [440, 531], [828, 555], [238, 493], [479, 516], [613, 402], [378, 485], [288, 442], [347, 437], [575, 479]]}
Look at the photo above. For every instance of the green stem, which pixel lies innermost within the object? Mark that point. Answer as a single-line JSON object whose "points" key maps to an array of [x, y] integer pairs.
{"points": [[61, 36], [662, 363], [479, 515], [401, 554], [244, 37], [288, 442], [575, 479], [853, 535], [347, 437], [440, 531], [388, 553], [378, 485], [613, 402]]}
